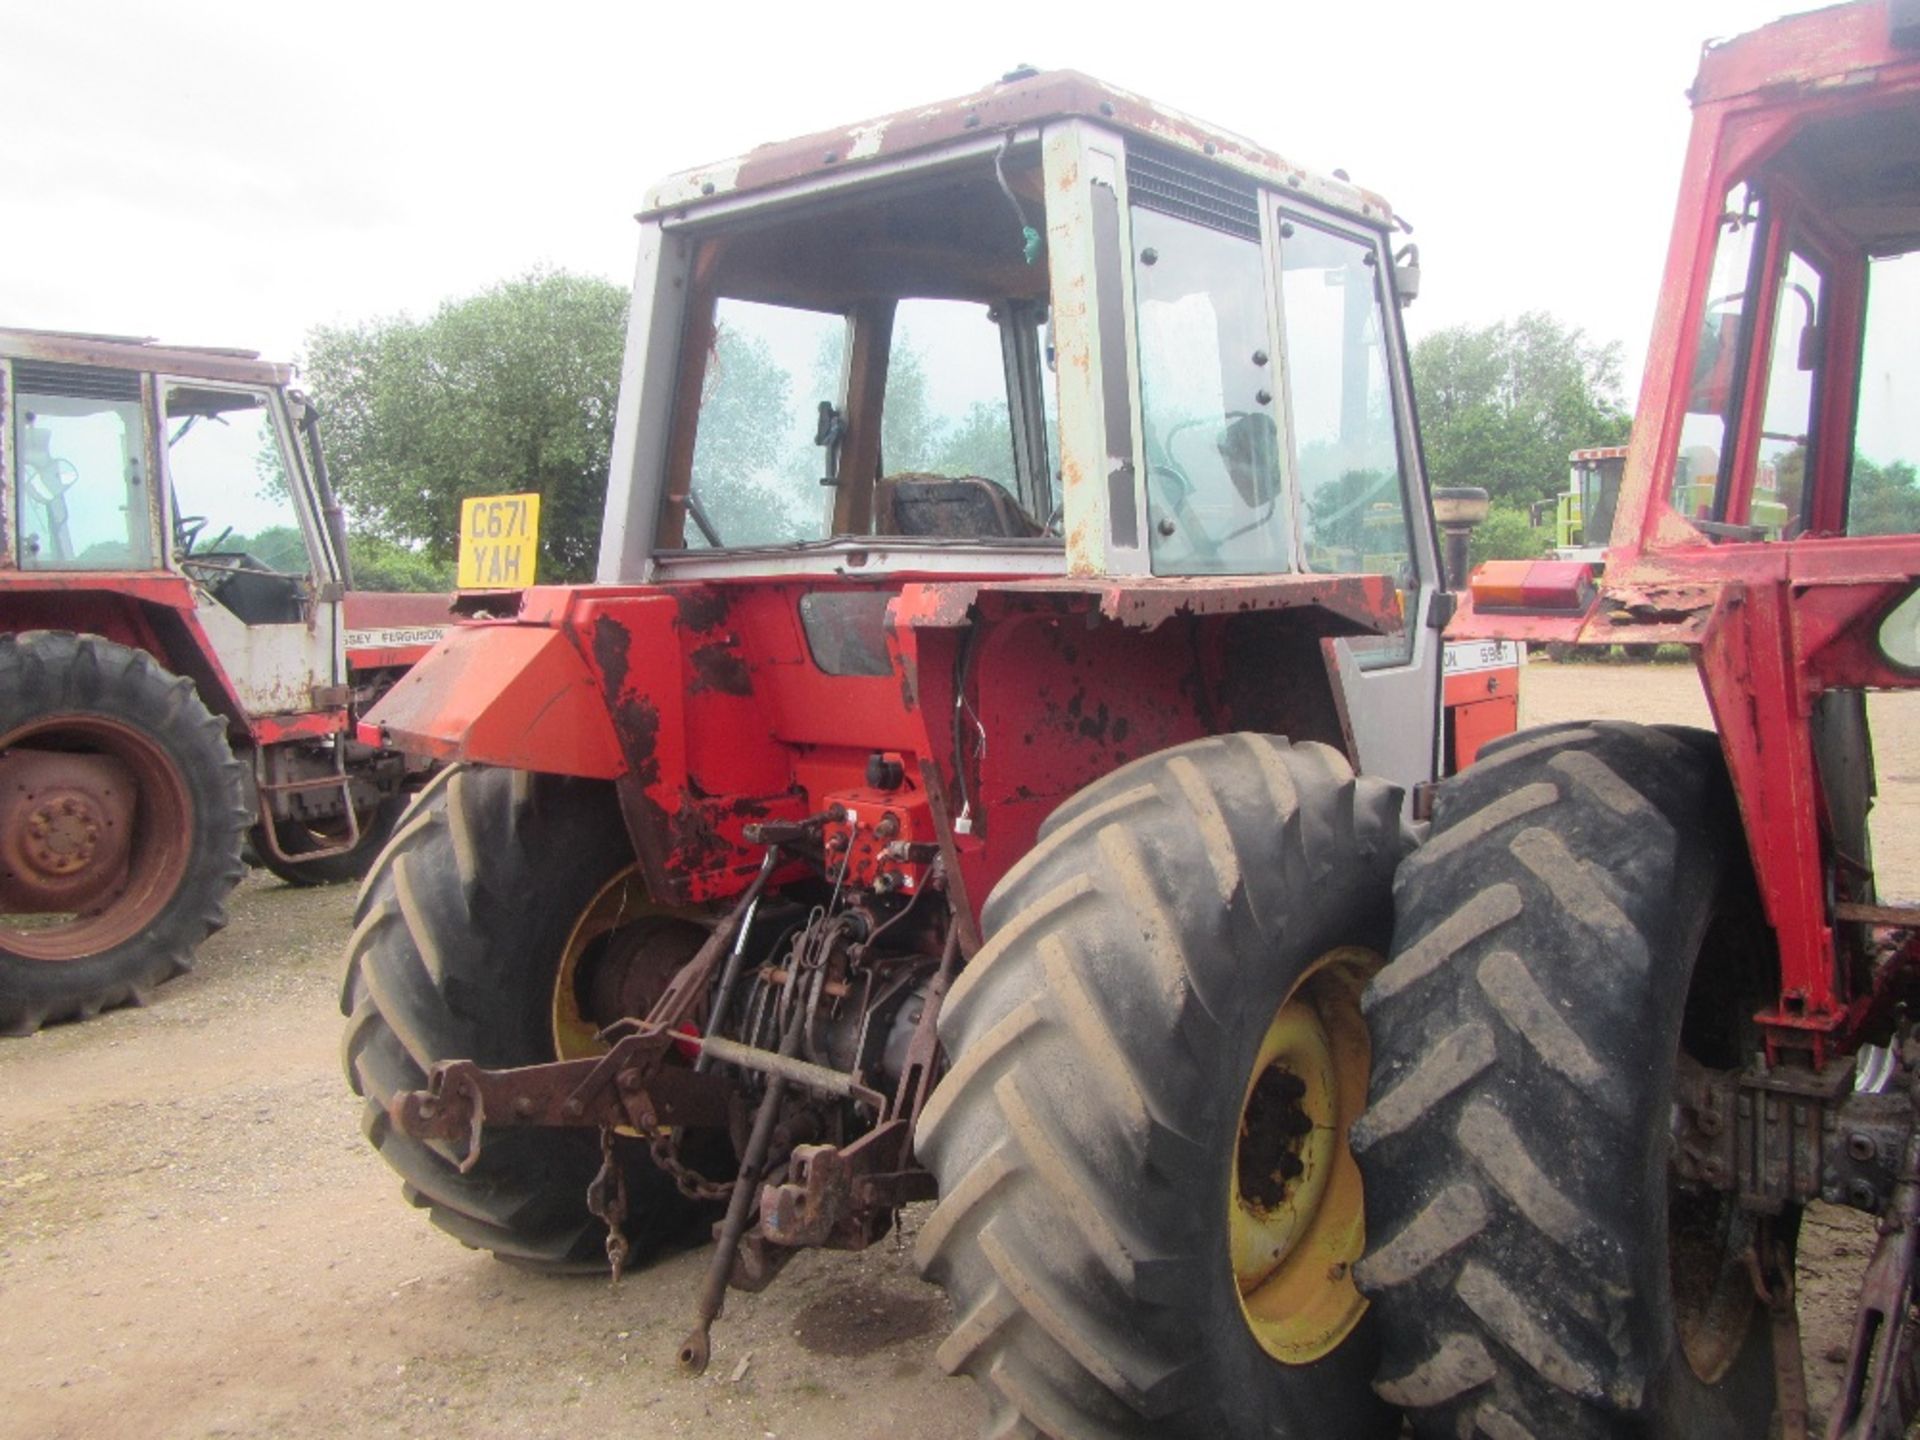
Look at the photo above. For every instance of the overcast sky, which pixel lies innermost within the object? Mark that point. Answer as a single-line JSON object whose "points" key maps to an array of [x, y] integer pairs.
{"points": [[235, 174]]}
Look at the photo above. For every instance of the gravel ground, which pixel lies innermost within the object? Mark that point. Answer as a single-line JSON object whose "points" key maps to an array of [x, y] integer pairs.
{"points": [[195, 1241]]}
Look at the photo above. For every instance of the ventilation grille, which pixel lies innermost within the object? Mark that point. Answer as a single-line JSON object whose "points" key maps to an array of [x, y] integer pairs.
{"points": [[1180, 185], [41, 377]]}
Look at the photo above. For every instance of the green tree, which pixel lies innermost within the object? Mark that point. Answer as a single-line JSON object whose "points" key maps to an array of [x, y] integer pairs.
{"points": [[382, 565], [1884, 499], [510, 390], [1502, 405], [1507, 534]]}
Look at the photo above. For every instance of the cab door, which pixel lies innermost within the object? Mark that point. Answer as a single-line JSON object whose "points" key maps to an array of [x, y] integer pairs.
{"points": [[1357, 485], [241, 526]]}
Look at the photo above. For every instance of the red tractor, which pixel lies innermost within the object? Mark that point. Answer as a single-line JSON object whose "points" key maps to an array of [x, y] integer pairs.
{"points": [[177, 674], [1648, 998], [903, 813]]}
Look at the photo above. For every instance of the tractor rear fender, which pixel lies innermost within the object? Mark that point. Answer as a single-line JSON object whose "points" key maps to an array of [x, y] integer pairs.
{"points": [[716, 707], [516, 696], [140, 610]]}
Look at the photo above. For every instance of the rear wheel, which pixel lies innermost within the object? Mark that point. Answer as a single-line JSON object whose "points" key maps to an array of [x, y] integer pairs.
{"points": [[1580, 919], [476, 937], [1148, 1212], [121, 819]]}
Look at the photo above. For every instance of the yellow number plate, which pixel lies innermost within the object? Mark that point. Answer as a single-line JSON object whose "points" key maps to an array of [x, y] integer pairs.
{"points": [[498, 538]]}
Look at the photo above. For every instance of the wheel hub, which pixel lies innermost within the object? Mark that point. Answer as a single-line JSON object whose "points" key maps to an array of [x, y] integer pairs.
{"points": [[621, 955], [66, 828], [1272, 1136], [1294, 1220], [62, 835]]}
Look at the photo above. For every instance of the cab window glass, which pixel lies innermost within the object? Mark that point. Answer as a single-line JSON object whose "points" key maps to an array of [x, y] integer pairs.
{"points": [[1340, 403], [232, 508], [1213, 465], [79, 455], [946, 430], [1786, 425], [1345, 441], [1710, 389], [946, 405], [756, 468], [1884, 497]]}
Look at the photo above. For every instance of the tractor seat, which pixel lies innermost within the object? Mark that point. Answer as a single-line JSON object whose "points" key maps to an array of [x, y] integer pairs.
{"points": [[949, 507]]}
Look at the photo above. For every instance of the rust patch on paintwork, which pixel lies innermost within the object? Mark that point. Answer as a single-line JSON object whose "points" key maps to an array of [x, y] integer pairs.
{"points": [[720, 667], [636, 722], [694, 844], [702, 609]]}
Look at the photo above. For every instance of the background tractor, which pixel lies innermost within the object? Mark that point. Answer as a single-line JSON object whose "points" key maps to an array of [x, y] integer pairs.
{"points": [[177, 674], [1648, 997], [903, 813]]}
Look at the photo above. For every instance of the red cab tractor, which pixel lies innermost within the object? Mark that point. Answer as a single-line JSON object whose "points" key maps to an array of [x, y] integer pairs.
{"points": [[1649, 997], [903, 813], [175, 671]]}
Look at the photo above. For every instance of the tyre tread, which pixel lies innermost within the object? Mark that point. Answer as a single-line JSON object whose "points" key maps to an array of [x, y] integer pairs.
{"points": [[1501, 1268]]}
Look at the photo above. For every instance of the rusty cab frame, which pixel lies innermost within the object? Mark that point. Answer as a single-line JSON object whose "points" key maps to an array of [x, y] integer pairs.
{"points": [[1747, 532]]}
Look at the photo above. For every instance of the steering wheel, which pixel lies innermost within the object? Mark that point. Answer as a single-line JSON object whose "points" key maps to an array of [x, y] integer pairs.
{"points": [[48, 480], [186, 531]]}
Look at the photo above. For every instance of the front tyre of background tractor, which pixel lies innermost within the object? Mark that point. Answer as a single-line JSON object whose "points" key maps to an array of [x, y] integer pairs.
{"points": [[466, 936], [1148, 1212], [122, 811], [1581, 914], [376, 827]]}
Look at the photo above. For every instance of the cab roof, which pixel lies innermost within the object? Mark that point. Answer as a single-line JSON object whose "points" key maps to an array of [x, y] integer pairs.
{"points": [[1019, 100], [136, 352]]}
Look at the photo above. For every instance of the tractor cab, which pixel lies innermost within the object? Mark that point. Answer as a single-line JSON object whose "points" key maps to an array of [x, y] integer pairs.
{"points": [[1050, 336], [179, 470]]}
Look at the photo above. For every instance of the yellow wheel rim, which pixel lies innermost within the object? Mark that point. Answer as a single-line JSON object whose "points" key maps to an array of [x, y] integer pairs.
{"points": [[621, 901], [1295, 1225]]}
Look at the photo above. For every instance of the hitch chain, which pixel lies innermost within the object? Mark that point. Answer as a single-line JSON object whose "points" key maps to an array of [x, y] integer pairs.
{"points": [[607, 1199], [692, 1184]]}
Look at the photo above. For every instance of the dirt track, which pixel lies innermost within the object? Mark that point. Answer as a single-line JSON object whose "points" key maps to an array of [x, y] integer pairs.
{"points": [[195, 1241]]}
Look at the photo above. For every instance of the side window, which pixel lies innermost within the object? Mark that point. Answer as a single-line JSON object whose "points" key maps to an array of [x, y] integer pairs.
{"points": [[1884, 496], [1353, 494], [1786, 424], [80, 457], [232, 508], [756, 468], [1710, 391], [1341, 403], [1214, 498]]}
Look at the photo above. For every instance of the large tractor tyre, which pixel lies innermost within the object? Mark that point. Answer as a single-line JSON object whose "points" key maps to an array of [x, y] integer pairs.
{"points": [[1148, 1214], [1581, 914], [376, 827], [457, 952], [122, 812]]}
